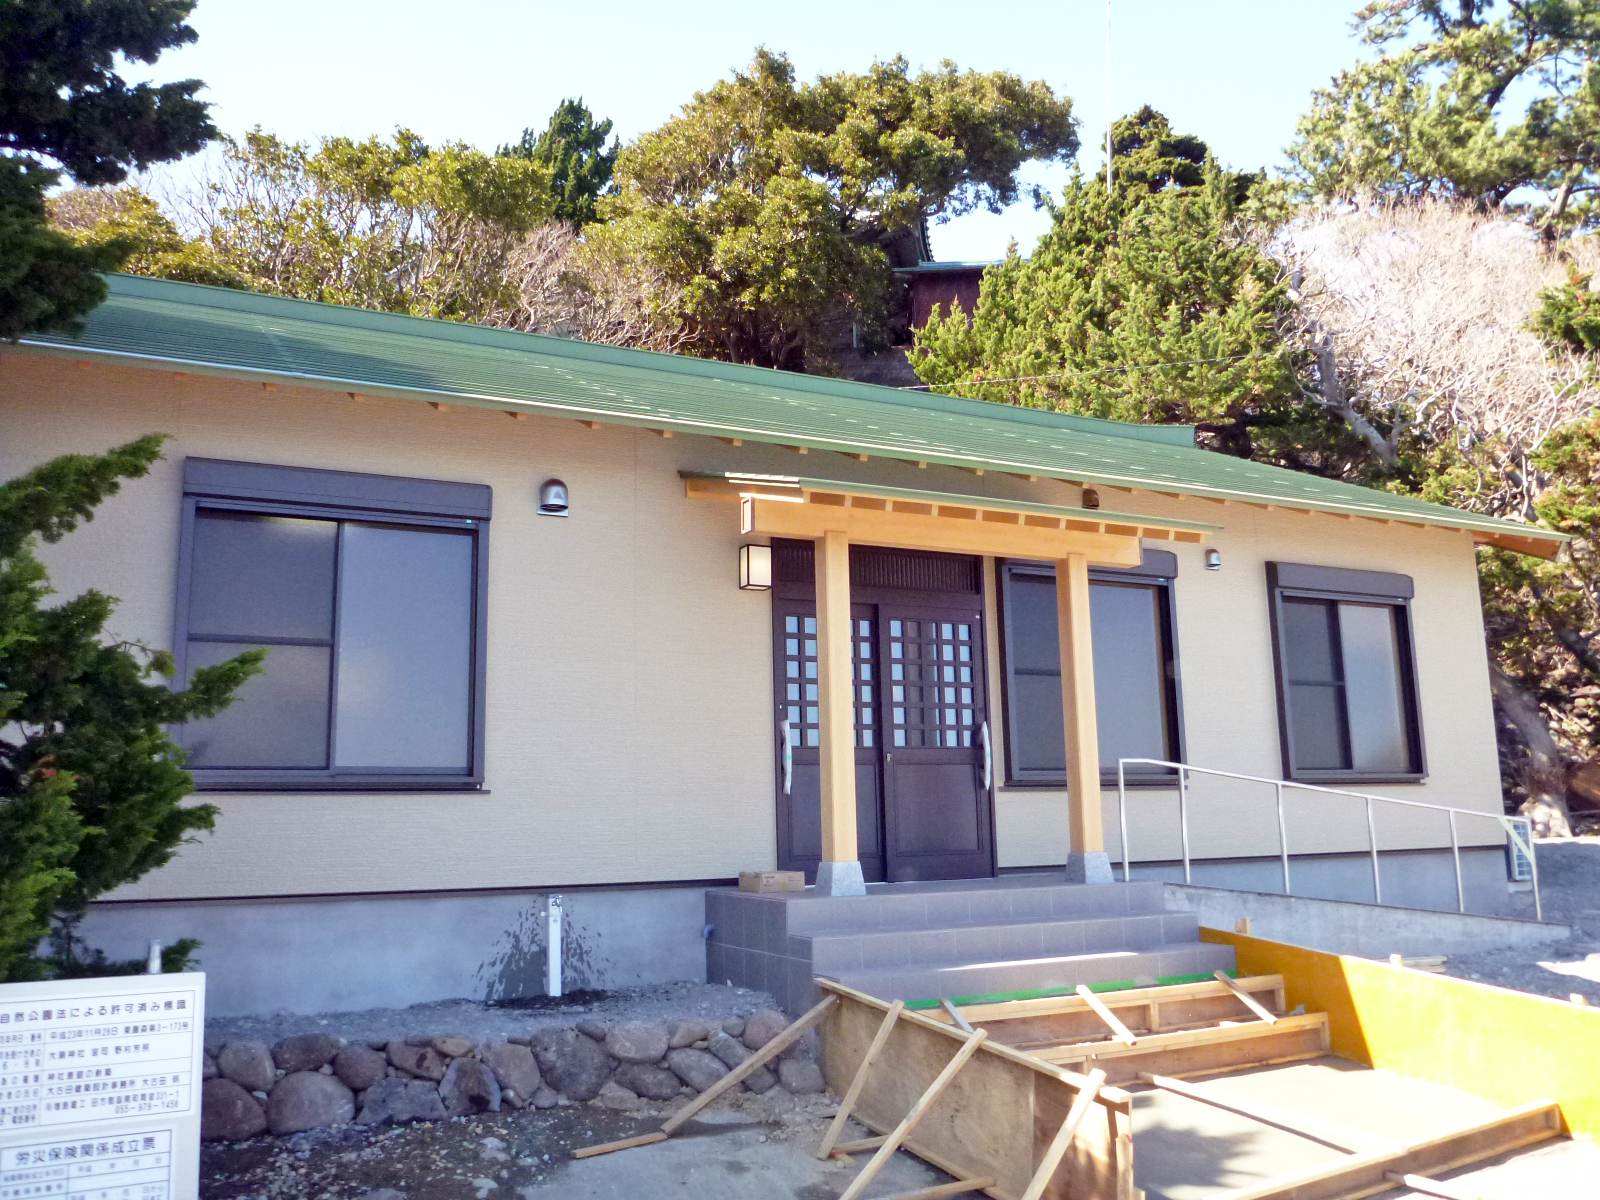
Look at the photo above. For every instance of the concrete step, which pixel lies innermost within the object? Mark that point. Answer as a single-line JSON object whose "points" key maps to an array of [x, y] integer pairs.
{"points": [[939, 905], [994, 942], [956, 980]]}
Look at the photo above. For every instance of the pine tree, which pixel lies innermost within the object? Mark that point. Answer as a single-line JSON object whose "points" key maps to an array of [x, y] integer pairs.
{"points": [[573, 146], [91, 786], [1147, 304], [61, 102]]}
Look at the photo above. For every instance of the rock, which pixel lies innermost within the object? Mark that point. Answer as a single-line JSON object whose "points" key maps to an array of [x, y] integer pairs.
{"points": [[208, 1068], [546, 1098], [424, 1062], [514, 1068], [686, 1033], [733, 1027], [305, 1052], [400, 1100], [594, 1029], [696, 1068], [249, 1064], [637, 1041], [384, 1194], [469, 1087], [358, 1068], [761, 1027], [309, 1100], [228, 1113], [615, 1096], [572, 1063], [213, 1045], [454, 1047], [800, 1076], [519, 1041], [732, 1054], [651, 1082]]}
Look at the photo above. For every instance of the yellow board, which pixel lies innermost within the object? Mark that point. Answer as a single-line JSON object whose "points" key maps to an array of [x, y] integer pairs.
{"points": [[1510, 1048]]}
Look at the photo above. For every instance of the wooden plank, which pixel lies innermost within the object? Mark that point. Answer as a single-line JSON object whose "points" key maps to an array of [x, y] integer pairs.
{"points": [[844, 1149], [860, 1080], [1118, 1029], [996, 1116], [1367, 1174], [959, 1188], [891, 1144], [644, 1139], [1250, 1001], [1057, 1149], [1200, 1051], [1046, 1006], [1432, 1187], [1211, 1035], [1339, 1137], [750, 1065]]}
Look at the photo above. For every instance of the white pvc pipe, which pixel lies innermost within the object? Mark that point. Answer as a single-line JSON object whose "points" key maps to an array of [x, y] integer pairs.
{"points": [[552, 957]]}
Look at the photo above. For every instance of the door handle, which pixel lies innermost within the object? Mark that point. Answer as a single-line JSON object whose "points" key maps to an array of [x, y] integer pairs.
{"points": [[988, 757], [788, 754]]}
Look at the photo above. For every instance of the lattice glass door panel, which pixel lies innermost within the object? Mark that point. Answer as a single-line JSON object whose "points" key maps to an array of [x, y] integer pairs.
{"points": [[934, 700], [800, 682]]}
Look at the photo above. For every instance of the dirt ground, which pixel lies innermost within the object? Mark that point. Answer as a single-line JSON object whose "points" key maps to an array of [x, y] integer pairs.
{"points": [[1569, 884], [746, 1148]]}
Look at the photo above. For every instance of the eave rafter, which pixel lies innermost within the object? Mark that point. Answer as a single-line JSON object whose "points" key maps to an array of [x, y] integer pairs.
{"points": [[783, 506]]}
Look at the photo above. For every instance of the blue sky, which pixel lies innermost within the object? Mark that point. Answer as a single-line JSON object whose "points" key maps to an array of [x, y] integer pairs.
{"points": [[1235, 72]]}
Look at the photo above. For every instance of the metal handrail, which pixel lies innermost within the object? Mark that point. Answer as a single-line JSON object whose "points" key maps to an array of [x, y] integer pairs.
{"points": [[1184, 770]]}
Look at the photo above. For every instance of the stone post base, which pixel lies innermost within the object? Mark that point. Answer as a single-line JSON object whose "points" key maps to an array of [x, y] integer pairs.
{"points": [[1093, 867], [844, 879]]}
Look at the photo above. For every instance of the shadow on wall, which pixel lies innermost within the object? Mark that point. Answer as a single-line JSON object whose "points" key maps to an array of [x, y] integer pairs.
{"points": [[516, 965]]}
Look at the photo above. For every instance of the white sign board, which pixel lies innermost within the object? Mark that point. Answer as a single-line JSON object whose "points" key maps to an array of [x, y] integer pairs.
{"points": [[100, 1088]]}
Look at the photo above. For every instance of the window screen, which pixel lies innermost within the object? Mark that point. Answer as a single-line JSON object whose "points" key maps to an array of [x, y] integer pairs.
{"points": [[1135, 677], [1344, 661], [372, 631]]}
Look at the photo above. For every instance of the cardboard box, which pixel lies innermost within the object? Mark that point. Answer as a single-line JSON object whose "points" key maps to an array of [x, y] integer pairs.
{"points": [[772, 881]]}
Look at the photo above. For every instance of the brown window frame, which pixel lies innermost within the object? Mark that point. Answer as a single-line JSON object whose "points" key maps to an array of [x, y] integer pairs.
{"points": [[1335, 585], [228, 486]]}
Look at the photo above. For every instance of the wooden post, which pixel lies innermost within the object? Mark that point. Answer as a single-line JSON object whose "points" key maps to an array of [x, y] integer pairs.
{"points": [[840, 871], [1088, 862]]}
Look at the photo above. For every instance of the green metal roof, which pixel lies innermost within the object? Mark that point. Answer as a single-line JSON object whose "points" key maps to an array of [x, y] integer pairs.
{"points": [[246, 335]]}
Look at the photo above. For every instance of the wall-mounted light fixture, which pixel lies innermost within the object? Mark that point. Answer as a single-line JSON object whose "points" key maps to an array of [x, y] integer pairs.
{"points": [[1213, 559], [553, 501], [755, 568], [1091, 498]]}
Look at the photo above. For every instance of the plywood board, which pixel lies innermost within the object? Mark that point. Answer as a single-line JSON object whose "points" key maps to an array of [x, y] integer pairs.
{"points": [[994, 1120]]}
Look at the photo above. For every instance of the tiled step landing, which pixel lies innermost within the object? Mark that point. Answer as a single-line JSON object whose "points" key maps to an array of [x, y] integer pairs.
{"points": [[955, 939]]}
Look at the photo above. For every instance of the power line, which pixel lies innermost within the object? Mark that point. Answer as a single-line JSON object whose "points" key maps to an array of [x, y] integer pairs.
{"points": [[1180, 362]]}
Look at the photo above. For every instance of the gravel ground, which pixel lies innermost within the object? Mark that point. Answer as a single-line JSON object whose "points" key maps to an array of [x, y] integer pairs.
{"points": [[743, 1146], [663, 1002], [1569, 884]]}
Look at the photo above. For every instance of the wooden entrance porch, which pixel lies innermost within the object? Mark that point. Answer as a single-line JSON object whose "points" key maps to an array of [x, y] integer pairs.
{"points": [[834, 515]]}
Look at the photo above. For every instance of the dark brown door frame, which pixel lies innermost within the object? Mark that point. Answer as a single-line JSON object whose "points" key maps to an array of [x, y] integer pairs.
{"points": [[794, 594]]}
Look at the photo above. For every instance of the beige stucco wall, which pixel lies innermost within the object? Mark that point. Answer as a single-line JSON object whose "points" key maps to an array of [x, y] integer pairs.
{"points": [[629, 732], [1230, 698]]}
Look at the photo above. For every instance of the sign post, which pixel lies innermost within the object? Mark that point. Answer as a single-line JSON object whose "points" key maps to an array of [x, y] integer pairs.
{"points": [[100, 1087]]}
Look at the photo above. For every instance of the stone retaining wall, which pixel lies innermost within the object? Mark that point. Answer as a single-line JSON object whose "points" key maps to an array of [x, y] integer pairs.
{"points": [[314, 1080]]}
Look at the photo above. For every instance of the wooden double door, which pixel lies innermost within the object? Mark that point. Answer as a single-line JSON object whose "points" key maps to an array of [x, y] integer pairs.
{"points": [[922, 737]]}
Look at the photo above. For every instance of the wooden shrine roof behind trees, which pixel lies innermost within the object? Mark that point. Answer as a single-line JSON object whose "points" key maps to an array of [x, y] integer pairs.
{"points": [[217, 331]]}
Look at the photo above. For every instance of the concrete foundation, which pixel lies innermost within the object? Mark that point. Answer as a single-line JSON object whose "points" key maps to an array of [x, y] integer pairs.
{"points": [[1346, 927], [344, 953], [1423, 879]]}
